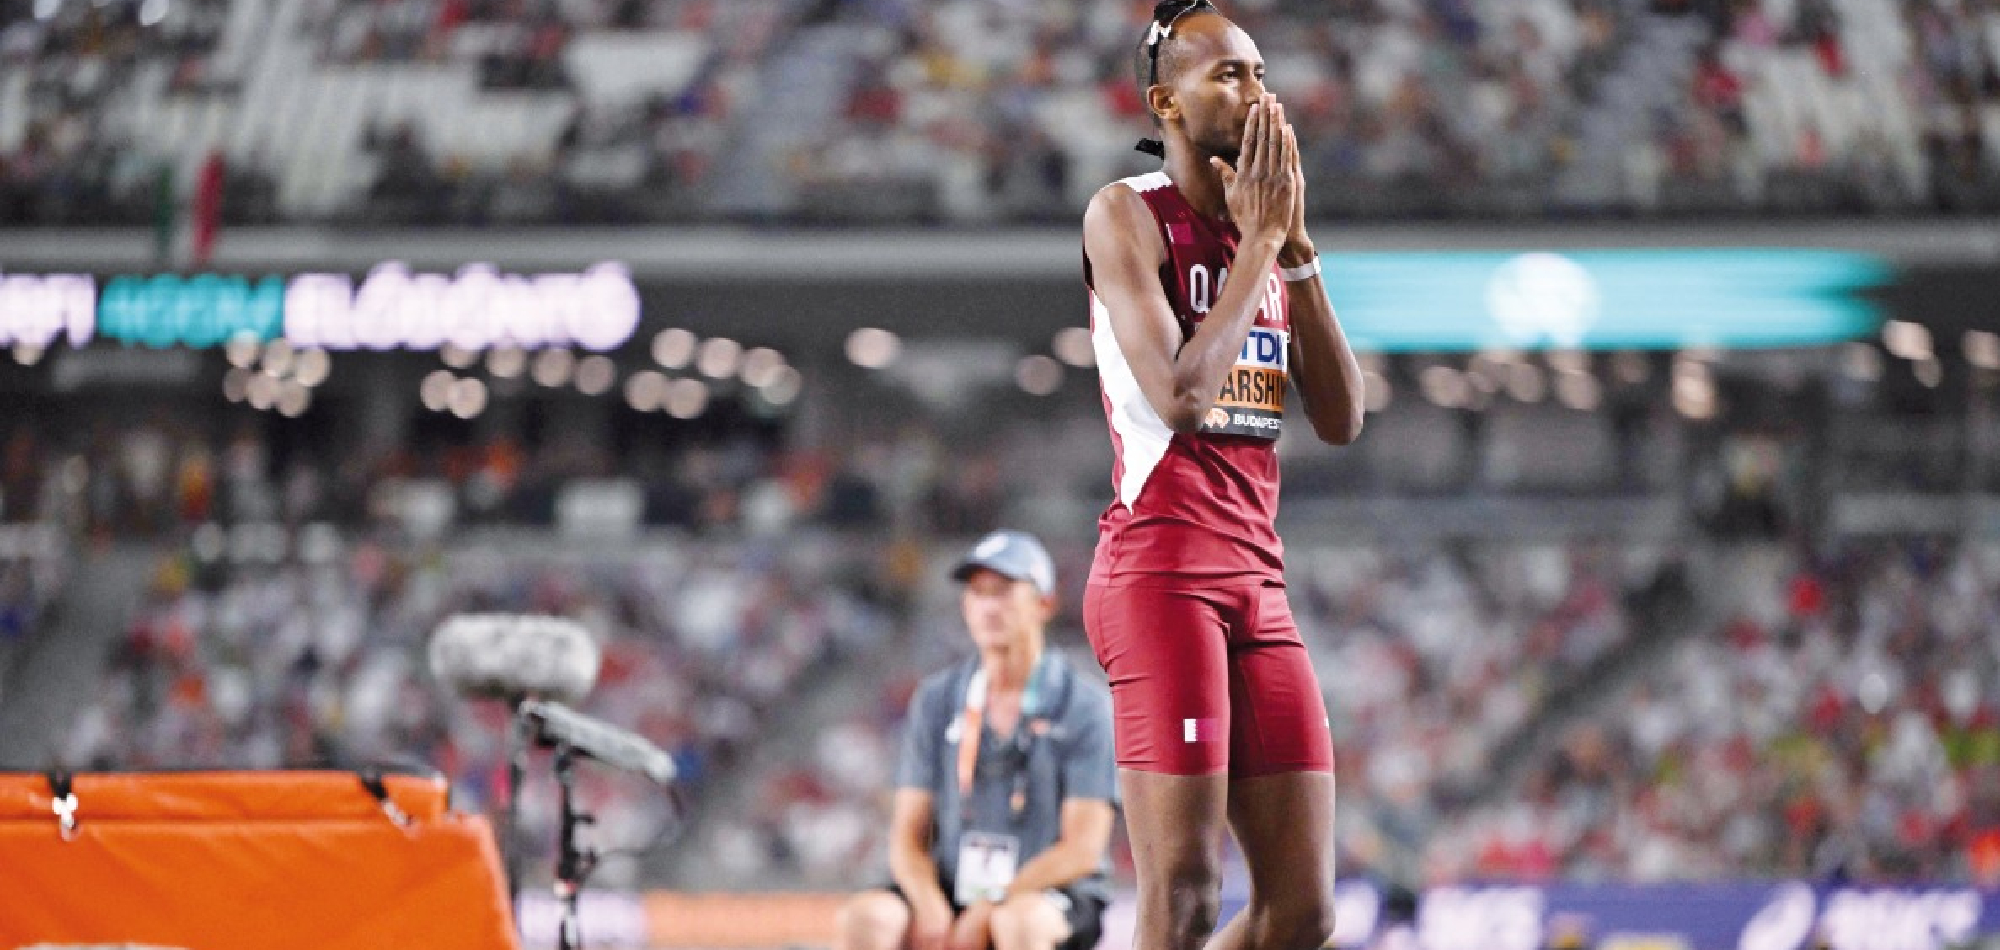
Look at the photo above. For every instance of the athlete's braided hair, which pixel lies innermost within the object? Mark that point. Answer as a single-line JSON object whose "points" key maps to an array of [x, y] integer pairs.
{"points": [[1146, 60]]}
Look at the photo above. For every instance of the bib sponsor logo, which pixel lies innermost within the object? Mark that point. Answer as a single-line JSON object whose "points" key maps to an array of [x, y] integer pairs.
{"points": [[1264, 349], [1248, 420], [1252, 401]]}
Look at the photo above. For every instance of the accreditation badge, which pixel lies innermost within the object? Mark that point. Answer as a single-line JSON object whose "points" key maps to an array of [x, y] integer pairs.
{"points": [[986, 865]]}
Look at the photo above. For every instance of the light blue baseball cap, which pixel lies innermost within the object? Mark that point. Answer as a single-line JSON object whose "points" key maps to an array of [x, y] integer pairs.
{"points": [[1014, 554]]}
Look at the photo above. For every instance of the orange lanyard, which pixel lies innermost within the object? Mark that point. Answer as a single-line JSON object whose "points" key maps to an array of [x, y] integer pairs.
{"points": [[972, 722]]}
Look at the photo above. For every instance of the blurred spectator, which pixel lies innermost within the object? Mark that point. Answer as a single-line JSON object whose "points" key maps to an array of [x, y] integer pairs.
{"points": [[1843, 728]]}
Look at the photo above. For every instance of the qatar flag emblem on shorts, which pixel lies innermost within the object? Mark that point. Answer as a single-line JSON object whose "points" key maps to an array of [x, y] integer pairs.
{"points": [[1201, 730]]}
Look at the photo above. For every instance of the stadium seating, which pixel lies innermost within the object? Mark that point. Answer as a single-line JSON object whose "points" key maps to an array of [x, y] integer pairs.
{"points": [[968, 111], [311, 654], [1840, 726], [34, 566]]}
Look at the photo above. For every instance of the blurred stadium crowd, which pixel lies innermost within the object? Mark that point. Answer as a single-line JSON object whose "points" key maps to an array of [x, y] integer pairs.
{"points": [[32, 570], [315, 657], [161, 480], [308, 651], [1835, 717], [1841, 726], [1494, 424], [287, 628], [441, 111], [1864, 676]]}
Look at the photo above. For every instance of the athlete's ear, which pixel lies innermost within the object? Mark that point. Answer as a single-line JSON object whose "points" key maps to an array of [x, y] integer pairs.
{"points": [[1050, 605], [1160, 99]]}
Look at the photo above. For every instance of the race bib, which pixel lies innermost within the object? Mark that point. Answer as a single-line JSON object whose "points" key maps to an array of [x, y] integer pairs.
{"points": [[986, 865], [1252, 401]]}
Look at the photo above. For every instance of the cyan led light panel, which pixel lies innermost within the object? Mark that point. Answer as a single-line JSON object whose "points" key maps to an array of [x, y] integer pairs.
{"points": [[1606, 300]]}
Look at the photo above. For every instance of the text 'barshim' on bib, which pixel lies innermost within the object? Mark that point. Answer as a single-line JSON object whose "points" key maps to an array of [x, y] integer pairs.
{"points": [[1252, 401]]}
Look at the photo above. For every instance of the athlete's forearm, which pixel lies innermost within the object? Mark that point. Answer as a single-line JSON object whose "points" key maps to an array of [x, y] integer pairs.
{"points": [[1327, 374], [1211, 353], [1064, 863]]}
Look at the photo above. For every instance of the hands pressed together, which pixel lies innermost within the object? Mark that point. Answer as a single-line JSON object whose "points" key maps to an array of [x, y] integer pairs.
{"points": [[1266, 190]]}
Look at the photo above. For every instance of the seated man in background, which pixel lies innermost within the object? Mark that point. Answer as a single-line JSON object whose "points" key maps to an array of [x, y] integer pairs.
{"points": [[1006, 788]]}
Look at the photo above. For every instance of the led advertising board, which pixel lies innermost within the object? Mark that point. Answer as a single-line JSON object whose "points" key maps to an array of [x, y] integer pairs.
{"points": [[1621, 299], [1388, 302], [476, 308]]}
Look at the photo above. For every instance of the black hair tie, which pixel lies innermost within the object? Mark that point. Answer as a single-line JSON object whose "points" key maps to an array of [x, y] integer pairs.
{"points": [[1152, 147]]}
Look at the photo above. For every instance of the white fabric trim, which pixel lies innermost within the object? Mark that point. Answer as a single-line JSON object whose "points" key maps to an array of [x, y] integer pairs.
{"points": [[1150, 181], [1142, 434]]}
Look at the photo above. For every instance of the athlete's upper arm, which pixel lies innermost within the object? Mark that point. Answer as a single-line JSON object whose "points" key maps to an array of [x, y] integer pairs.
{"points": [[1125, 256]]}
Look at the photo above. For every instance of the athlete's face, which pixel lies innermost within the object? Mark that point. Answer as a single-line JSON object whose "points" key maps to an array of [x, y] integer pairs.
{"points": [[1221, 74], [1001, 612]]}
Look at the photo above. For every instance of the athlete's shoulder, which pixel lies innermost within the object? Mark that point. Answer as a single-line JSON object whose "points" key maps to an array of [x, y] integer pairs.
{"points": [[1137, 185], [1119, 213], [1127, 195]]}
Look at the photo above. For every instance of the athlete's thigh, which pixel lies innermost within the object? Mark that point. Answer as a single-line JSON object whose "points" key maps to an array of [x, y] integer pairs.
{"points": [[1284, 825], [1166, 653], [1175, 823], [1277, 715]]}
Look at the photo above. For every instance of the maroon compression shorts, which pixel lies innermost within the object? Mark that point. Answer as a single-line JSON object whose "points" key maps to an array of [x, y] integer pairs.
{"points": [[1207, 680]]}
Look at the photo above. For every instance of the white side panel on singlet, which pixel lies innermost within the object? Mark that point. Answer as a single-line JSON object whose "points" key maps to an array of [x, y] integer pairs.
{"points": [[1142, 434]]}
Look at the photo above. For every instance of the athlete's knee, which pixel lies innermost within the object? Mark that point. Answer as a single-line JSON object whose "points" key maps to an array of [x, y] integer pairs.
{"points": [[1191, 892], [872, 921], [1299, 921]]}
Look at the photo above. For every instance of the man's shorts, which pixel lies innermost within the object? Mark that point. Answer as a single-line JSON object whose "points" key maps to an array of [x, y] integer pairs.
{"points": [[1208, 679], [1084, 913]]}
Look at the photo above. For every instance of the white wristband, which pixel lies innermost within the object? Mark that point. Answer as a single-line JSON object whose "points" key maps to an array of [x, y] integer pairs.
{"points": [[1305, 271]]}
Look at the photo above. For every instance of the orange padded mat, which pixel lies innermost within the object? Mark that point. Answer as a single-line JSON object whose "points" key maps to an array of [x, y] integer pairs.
{"points": [[242, 860]]}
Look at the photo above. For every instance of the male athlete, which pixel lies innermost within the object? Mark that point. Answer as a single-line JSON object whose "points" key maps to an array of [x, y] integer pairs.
{"points": [[1205, 301]]}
